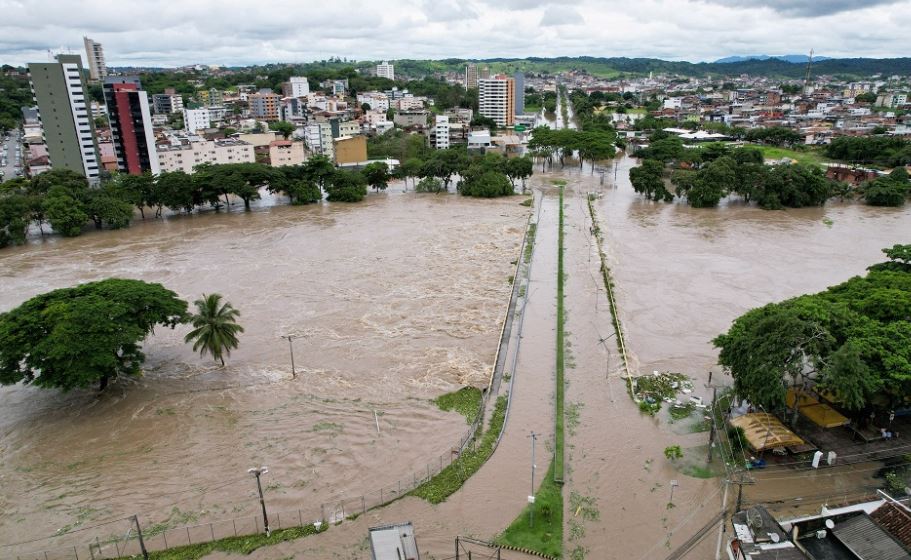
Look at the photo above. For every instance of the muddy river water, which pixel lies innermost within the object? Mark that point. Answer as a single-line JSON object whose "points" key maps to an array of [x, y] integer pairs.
{"points": [[397, 300]]}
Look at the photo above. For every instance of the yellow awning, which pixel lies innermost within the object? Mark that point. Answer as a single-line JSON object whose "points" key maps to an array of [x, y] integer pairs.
{"points": [[764, 431], [819, 413]]}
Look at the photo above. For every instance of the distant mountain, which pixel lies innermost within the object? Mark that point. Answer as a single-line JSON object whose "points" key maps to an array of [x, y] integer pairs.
{"points": [[792, 58]]}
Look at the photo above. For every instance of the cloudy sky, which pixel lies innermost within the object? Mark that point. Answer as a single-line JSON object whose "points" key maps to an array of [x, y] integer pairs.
{"points": [[238, 32]]}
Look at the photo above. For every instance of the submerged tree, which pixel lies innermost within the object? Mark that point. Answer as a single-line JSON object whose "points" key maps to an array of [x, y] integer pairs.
{"points": [[91, 333], [215, 327]]}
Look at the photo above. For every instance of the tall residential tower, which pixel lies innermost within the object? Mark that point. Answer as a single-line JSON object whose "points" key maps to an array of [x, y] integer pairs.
{"points": [[131, 125], [60, 91], [95, 56], [385, 70], [471, 76], [497, 99]]}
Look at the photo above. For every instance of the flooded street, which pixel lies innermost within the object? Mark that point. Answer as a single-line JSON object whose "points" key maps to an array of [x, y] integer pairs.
{"points": [[396, 300]]}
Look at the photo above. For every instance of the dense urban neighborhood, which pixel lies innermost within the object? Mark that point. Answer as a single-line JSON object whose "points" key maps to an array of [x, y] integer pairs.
{"points": [[566, 307]]}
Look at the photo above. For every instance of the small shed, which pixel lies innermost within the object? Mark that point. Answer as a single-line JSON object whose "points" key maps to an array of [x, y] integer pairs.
{"points": [[818, 412], [394, 542], [763, 431]]}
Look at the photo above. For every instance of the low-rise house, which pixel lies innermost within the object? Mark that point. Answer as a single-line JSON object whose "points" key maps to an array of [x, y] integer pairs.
{"points": [[286, 152], [188, 154]]}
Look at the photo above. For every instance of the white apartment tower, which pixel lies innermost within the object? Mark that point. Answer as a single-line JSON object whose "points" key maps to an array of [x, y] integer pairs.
{"points": [[441, 132], [95, 56], [299, 86], [385, 70], [195, 120], [496, 99]]}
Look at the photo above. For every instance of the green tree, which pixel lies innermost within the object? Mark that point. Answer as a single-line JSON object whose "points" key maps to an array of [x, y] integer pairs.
{"points": [[648, 179], [105, 208], [377, 175], [319, 169], [91, 333], [65, 212], [14, 214], [519, 168], [215, 327], [411, 167], [429, 185], [284, 128], [485, 184], [346, 186]]}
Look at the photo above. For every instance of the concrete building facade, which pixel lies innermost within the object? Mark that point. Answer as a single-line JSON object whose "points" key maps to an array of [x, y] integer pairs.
{"points": [[471, 76], [385, 70], [167, 103], [441, 132], [519, 79], [187, 156], [60, 92], [131, 125], [350, 149], [195, 120], [94, 54], [264, 105], [286, 152], [296, 86], [496, 99]]}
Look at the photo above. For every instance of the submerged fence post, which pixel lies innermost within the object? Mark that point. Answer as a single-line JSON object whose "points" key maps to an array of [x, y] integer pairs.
{"points": [[364, 504]]}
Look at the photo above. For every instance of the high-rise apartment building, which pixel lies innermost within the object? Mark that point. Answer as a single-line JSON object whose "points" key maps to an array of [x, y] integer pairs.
{"points": [[195, 120], [471, 76], [167, 103], [131, 125], [519, 78], [95, 56], [211, 97], [496, 99], [385, 70], [296, 86], [264, 105], [60, 92], [485, 73]]}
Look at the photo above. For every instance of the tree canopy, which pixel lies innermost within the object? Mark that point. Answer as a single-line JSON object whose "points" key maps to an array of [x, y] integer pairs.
{"points": [[852, 340], [91, 333]]}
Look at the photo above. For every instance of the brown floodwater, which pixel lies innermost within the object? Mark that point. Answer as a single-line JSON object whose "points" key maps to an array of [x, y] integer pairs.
{"points": [[395, 300]]}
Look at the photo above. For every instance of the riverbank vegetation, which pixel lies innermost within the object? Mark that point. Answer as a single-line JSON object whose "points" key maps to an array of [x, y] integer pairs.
{"points": [[453, 476], [851, 342], [66, 202], [547, 143], [544, 532], [706, 175], [239, 545], [75, 337], [561, 359], [466, 401]]}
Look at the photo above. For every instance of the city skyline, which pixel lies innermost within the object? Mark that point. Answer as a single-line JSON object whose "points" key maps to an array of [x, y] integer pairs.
{"points": [[237, 33]]}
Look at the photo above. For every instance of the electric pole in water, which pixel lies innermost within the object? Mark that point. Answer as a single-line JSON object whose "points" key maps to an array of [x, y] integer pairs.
{"points": [[291, 347], [262, 501], [531, 497]]}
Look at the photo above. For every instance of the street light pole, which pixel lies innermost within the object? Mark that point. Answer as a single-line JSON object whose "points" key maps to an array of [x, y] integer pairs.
{"points": [[531, 497], [262, 501], [142, 544], [291, 347]]}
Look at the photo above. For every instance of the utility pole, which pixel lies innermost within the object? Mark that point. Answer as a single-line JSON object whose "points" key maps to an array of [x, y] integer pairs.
{"points": [[531, 497], [291, 347], [262, 501], [674, 484], [142, 544], [712, 414]]}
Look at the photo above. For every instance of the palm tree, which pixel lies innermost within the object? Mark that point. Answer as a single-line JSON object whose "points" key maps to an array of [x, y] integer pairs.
{"points": [[216, 327]]}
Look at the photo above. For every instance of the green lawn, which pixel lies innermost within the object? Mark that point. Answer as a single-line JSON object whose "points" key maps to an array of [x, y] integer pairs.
{"points": [[546, 535], [809, 156], [558, 407]]}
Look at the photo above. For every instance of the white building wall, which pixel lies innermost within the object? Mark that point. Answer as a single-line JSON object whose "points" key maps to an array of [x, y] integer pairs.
{"points": [[73, 80], [299, 86], [385, 70], [195, 119]]}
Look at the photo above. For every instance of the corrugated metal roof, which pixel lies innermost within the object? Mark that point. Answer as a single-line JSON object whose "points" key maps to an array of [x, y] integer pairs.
{"points": [[867, 540], [896, 520]]}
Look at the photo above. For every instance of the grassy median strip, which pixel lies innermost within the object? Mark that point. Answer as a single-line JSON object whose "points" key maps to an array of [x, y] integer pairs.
{"points": [[545, 534], [466, 401], [451, 478], [558, 407], [240, 545]]}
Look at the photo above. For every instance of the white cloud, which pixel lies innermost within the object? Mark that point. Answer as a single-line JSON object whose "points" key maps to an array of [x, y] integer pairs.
{"points": [[238, 32], [560, 15]]}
